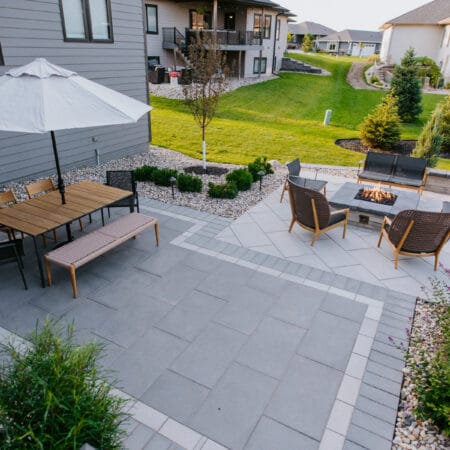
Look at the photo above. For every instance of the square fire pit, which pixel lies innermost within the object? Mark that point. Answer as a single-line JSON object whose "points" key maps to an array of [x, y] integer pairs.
{"points": [[369, 213]]}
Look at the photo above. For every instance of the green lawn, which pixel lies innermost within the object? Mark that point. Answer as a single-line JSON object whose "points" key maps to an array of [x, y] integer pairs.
{"points": [[280, 119]]}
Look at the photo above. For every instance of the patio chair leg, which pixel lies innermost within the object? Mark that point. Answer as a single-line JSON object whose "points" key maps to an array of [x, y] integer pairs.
{"points": [[73, 280], [48, 270], [396, 260], [345, 230], [90, 218], [157, 234], [282, 195], [20, 265], [81, 224], [103, 217], [316, 235], [380, 238], [436, 261], [291, 225]]}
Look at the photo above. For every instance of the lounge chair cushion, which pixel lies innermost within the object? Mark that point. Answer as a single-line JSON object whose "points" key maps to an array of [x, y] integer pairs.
{"points": [[410, 168], [406, 181], [336, 218], [380, 163], [369, 175]]}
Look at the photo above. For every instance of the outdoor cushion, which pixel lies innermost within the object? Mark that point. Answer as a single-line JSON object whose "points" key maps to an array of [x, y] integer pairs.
{"points": [[379, 162], [294, 167], [406, 181], [374, 175], [316, 185], [411, 168], [336, 218]]}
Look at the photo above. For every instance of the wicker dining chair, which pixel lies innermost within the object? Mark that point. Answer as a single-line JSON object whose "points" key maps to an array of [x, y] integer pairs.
{"points": [[416, 233], [294, 167], [123, 179], [7, 198], [311, 210]]}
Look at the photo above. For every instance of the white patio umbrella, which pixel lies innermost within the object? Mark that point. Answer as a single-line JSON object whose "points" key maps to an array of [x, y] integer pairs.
{"points": [[41, 97]]}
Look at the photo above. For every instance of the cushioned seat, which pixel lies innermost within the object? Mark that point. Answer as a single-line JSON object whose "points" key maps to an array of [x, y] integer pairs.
{"points": [[377, 176], [406, 181], [310, 210]]}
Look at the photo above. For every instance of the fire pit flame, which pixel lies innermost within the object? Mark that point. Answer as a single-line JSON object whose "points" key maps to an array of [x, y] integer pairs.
{"points": [[376, 195]]}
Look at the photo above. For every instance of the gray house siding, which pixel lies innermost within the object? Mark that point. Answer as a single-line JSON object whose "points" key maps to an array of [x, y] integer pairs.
{"points": [[32, 28]]}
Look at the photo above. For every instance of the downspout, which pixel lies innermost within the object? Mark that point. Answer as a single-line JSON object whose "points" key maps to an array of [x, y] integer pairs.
{"points": [[214, 24], [275, 40], [261, 38], [147, 88]]}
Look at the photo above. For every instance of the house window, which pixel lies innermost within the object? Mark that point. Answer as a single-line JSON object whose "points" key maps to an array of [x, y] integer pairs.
{"points": [[267, 26], [199, 20], [2, 61], [332, 47], [257, 23], [277, 31], [257, 68], [152, 61], [86, 20], [152, 19]]}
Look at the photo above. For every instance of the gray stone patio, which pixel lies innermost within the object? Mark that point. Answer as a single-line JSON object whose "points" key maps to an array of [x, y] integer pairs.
{"points": [[229, 343]]}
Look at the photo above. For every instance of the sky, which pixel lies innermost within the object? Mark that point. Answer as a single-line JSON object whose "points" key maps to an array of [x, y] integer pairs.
{"points": [[350, 14]]}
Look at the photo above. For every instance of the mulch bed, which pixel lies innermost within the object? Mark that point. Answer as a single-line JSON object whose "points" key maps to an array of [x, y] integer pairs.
{"points": [[210, 170], [404, 147]]}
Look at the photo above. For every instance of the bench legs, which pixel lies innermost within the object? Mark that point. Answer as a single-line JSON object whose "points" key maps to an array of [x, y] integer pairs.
{"points": [[73, 277], [157, 234]]}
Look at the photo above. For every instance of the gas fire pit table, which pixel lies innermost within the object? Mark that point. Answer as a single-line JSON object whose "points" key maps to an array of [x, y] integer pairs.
{"points": [[368, 212]]}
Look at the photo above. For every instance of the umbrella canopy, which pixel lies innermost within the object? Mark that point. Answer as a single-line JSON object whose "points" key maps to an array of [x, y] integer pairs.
{"points": [[41, 97]]}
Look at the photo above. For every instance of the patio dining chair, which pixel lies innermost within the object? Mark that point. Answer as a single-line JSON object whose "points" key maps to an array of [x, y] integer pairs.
{"points": [[311, 210], [11, 251], [416, 233], [123, 179], [7, 198], [294, 168], [43, 187]]}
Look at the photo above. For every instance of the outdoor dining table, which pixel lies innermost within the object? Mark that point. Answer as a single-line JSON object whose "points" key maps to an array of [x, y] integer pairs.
{"points": [[39, 215]]}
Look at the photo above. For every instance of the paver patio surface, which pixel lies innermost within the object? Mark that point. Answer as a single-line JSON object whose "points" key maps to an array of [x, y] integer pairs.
{"points": [[219, 345]]}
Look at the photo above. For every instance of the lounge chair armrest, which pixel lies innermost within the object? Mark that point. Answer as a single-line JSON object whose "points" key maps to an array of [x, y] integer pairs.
{"points": [[344, 210]]}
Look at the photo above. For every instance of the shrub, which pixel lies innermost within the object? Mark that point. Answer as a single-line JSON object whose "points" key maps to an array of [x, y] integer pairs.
{"points": [[428, 68], [308, 43], [374, 79], [405, 85], [162, 177], [445, 147], [144, 173], [381, 129], [259, 164], [226, 190], [430, 139], [242, 178], [54, 396], [189, 183]]}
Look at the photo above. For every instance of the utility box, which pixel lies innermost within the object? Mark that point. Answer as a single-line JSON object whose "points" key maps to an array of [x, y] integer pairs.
{"points": [[327, 118]]}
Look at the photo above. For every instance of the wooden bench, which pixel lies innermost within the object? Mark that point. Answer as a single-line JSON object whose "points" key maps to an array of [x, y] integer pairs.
{"points": [[88, 247], [394, 170]]}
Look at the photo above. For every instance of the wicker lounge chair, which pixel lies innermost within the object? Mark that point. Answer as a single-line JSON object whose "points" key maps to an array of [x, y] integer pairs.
{"points": [[294, 168], [416, 233], [123, 179], [310, 209]]}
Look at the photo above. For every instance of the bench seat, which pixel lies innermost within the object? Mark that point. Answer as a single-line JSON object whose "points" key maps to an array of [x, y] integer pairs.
{"points": [[88, 247]]}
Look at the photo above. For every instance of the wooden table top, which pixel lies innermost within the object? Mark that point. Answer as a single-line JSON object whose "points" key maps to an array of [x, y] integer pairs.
{"points": [[39, 215]]}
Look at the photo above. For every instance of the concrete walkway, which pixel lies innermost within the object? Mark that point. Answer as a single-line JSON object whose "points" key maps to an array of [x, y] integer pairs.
{"points": [[225, 343]]}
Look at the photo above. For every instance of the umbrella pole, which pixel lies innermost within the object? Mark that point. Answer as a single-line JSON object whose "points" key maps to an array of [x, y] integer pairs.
{"points": [[61, 187]]}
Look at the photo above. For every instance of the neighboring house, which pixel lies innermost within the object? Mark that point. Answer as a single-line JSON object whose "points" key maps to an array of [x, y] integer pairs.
{"points": [[351, 42], [299, 30], [426, 29], [252, 33], [102, 40]]}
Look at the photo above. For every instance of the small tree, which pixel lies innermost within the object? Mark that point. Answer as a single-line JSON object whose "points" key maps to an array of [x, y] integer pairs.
{"points": [[445, 147], [308, 43], [381, 129], [209, 71], [430, 140], [405, 85]]}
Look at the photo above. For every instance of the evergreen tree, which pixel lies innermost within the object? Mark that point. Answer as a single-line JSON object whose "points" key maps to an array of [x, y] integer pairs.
{"points": [[308, 43], [381, 129], [430, 140], [445, 148], [405, 85]]}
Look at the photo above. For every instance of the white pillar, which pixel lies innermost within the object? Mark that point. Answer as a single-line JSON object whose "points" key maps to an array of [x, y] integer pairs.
{"points": [[214, 18]]}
